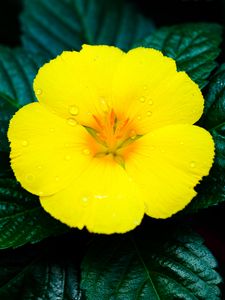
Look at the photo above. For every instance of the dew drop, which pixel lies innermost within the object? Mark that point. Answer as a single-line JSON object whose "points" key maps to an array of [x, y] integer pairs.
{"points": [[30, 177], [104, 105], [52, 129], [149, 113], [181, 143], [74, 110], [67, 157], [72, 122], [25, 143], [145, 88], [86, 151], [142, 99], [85, 200], [133, 134], [192, 164], [136, 222], [39, 167], [39, 92], [150, 102], [130, 179]]}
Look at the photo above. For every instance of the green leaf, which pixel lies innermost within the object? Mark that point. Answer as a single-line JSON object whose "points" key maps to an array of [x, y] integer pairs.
{"points": [[212, 190], [22, 219], [56, 25], [43, 273], [158, 266], [17, 71], [194, 47]]}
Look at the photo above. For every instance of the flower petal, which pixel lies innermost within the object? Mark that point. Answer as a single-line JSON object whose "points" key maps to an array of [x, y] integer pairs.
{"points": [[168, 163], [153, 92], [46, 150], [102, 199], [78, 83]]}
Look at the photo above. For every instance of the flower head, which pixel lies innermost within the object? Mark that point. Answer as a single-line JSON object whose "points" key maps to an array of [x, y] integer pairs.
{"points": [[111, 138]]}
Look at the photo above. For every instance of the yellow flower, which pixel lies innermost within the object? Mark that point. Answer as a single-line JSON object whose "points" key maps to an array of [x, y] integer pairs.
{"points": [[111, 138]]}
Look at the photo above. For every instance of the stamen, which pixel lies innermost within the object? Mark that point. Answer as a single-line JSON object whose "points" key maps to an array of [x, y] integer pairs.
{"points": [[112, 117], [113, 134], [98, 122]]}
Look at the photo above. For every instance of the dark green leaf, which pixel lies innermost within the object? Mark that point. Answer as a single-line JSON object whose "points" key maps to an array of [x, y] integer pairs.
{"points": [[166, 266], [56, 25], [212, 189], [22, 219], [17, 71], [193, 46], [43, 273]]}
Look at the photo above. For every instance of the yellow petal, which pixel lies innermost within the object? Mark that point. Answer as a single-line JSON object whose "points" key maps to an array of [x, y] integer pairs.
{"points": [[78, 83], [46, 150], [148, 85], [102, 199], [168, 163]]}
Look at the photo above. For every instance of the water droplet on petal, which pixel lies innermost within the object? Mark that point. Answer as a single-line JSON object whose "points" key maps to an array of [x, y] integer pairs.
{"points": [[52, 129], [85, 200], [40, 194], [130, 179], [149, 113], [133, 134], [72, 122], [104, 105], [145, 87], [39, 167], [67, 157], [30, 177], [86, 151], [142, 99], [38, 92], [136, 222], [150, 102], [25, 143], [192, 164], [74, 110], [181, 143]]}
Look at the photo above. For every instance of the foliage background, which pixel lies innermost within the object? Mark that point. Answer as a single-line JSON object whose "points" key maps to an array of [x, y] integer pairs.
{"points": [[209, 223]]}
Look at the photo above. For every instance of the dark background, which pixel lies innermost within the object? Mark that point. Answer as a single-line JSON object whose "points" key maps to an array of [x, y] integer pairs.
{"points": [[211, 222]]}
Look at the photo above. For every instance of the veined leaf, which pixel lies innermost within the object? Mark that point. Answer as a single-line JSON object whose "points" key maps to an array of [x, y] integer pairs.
{"points": [[17, 71], [194, 47], [22, 219], [56, 25], [212, 190], [169, 266], [45, 272]]}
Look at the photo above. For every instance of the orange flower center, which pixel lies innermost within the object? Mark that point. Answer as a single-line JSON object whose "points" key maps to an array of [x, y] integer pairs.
{"points": [[112, 135]]}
